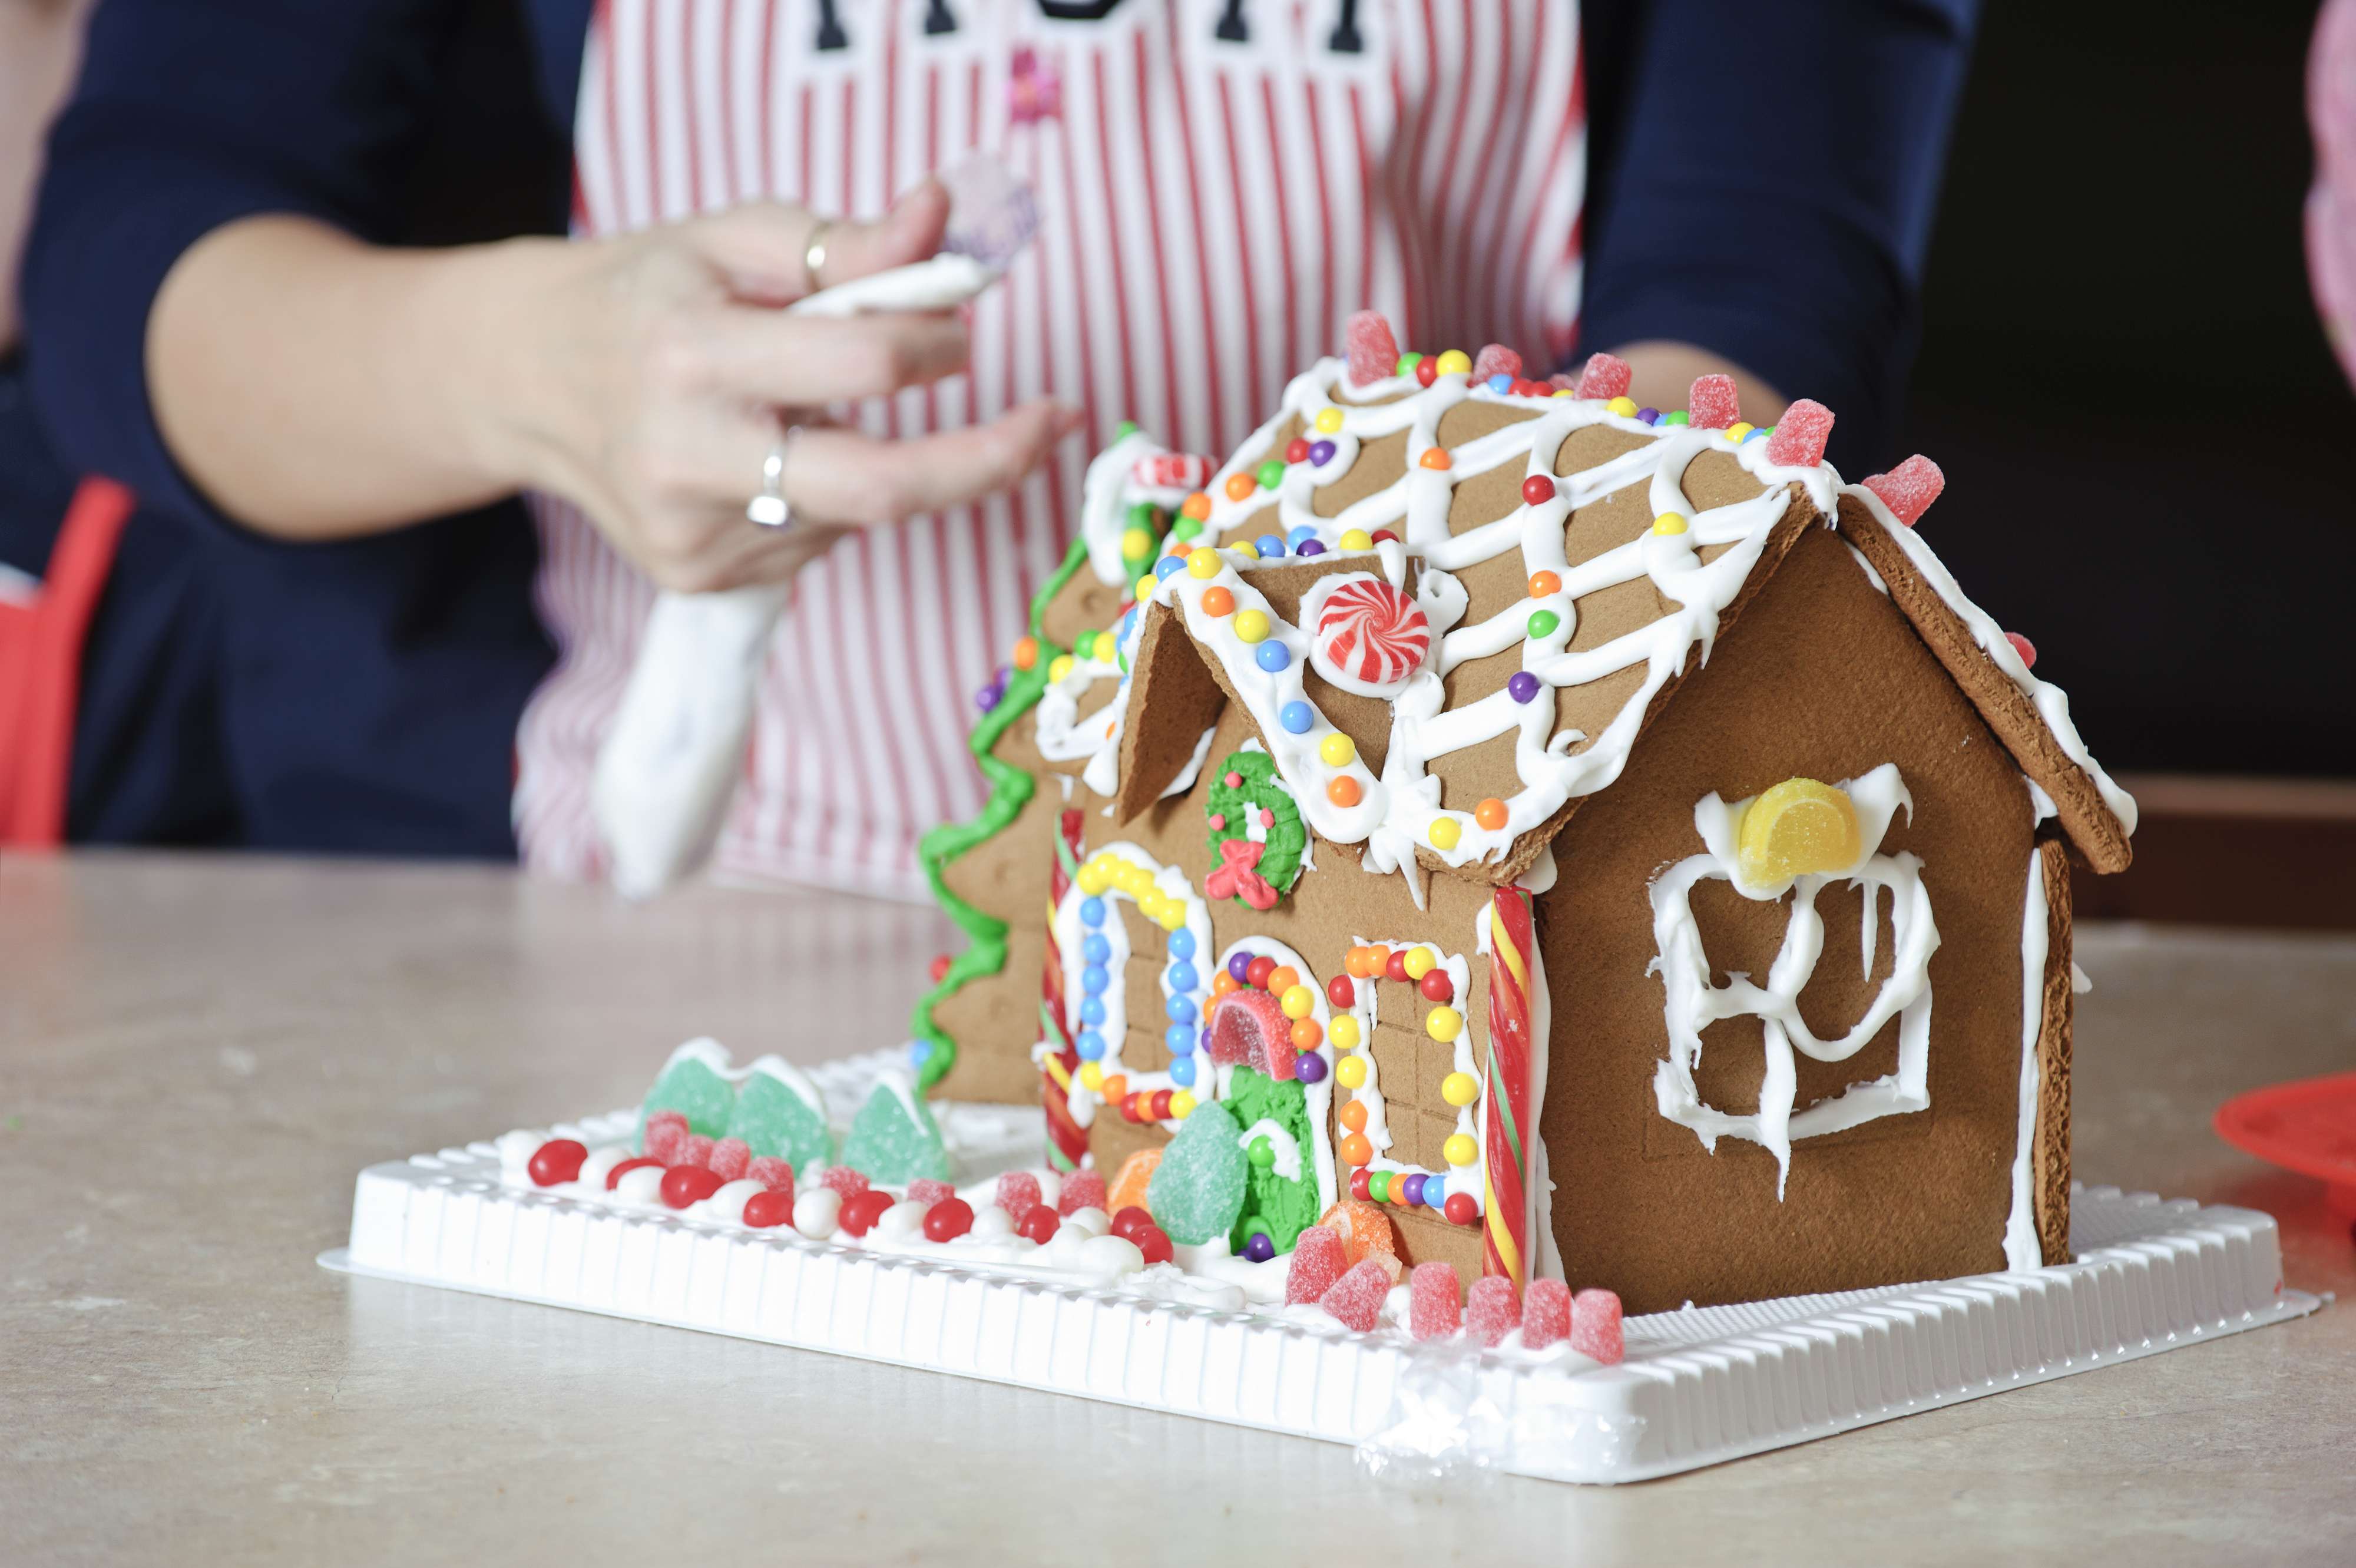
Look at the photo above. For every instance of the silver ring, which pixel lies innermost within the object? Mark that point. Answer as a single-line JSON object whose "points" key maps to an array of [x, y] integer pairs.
{"points": [[770, 509], [814, 254]]}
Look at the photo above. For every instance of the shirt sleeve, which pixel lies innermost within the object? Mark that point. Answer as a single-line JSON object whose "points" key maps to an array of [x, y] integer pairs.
{"points": [[1768, 192]]}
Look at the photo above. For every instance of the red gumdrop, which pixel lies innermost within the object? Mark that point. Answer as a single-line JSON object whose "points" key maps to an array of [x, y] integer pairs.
{"points": [[767, 1210], [730, 1159], [1491, 1311], [1545, 1314], [1434, 1309], [1154, 1243], [695, 1149], [1713, 404], [862, 1210], [1039, 1223], [1256, 974], [683, 1184], [1341, 993], [1082, 1190], [1595, 1326], [775, 1174], [557, 1160], [1357, 1297], [948, 1219], [1248, 1028], [1426, 370], [1396, 967], [1018, 1193], [844, 1180], [666, 1130], [924, 1189], [1800, 436], [1374, 352], [1606, 376], [1495, 359], [1908, 489], [2022, 646], [1436, 986], [1318, 1262], [613, 1176], [1462, 1208]]}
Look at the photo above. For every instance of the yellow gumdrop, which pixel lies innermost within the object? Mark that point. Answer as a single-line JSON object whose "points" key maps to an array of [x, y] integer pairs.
{"points": [[1460, 1089], [1461, 1149], [1091, 1076], [1338, 750], [1060, 668], [1443, 1024], [1329, 421], [1251, 626], [1343, 1033], [1182, 1105], [1351, 1070], [1445, 831], [1297, 1003], [1798, 828], [1357, 539], [1669, 522], [1625, 407], [1419, 962], [1456, 363], [1203, 562]]}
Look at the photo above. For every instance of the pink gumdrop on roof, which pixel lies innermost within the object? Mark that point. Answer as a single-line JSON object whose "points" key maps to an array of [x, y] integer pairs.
{"points": [[666, 1130], [1434, 1309], [1800, 436], [729, 1156], [843, 1179], [1374, 352], [771, 1173], [1545, 1314], [2022, 646], [1318, 1264], [1082, 1190], [1713, 404], [695, 1149], [1495, 359], [1491, 1311], [1607, 376], [926, 1190], [1356, 1298], [1908, 489], [1018, 1193], [1595, 1326]]}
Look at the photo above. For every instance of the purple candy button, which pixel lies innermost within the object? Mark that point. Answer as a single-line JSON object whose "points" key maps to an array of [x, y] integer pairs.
{"points": [[1524, 686], [1320, 453]]}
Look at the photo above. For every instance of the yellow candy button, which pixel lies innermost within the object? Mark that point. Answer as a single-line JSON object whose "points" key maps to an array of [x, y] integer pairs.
{"points": [[1182, 1105], [1456, 363], [1799, 828], [1461, 1149], [1338, 750], [1091, 1076], [1737, 433], [1622, 406], [1203, 563], [1144, 588], [1419, 962], [1344, 1032], [1297, 1003], [1351, 1070], [1443, 1024], [1669, 522], [1252, 626], [1445, 831], [1357, 539], [1171, 916], [1460, 1089], [1060, 668], [1245, 548], [1329, 421], [1136, 544]]}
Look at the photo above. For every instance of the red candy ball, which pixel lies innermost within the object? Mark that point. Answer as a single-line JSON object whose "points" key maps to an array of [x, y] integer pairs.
{"points": [[1383, 533], [862, 1210], [1396, 968], [557, 1160], [947, 1219], [765, 1210], [1130, 1221], [1160, 1111], [1261, 967], [1039, 1225], [1536, 490], [1436, 986], [1358, 1187], [1153, 1244], [1341, 993], [1461, 1209], [1296, 451], [683, 1184], [1426, 370], [613, 1176]]}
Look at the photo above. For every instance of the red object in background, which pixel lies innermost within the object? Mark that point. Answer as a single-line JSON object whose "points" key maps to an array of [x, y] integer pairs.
{"points": [[40, 667], [2308, 1126]]}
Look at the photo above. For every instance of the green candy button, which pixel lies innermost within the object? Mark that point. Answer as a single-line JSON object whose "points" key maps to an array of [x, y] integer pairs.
{"points": [[1543, 622]]}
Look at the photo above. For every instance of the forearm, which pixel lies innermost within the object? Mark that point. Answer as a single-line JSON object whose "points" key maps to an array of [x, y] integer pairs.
{"points": [[1664, 373], [39, 42]]}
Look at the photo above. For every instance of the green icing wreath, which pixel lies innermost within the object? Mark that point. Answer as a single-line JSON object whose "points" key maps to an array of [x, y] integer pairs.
{"points": [[1254, 789]]}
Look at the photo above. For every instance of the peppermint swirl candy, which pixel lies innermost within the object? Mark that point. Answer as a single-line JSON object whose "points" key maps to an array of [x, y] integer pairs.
{"points": [[1370, 636]]}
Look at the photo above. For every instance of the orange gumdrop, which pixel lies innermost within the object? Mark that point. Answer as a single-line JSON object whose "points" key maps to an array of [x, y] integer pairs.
{"points": [[1365, 1232], [1491, 814], [1344, 791], [1544, 584], [1353, 1116], [1128, 1187], [1217, 601], [1240, 486]]}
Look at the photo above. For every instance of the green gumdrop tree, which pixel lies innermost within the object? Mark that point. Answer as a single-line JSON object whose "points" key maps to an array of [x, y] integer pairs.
{"points": [[774, 1121], [890, 1144], [691, 1087], [1282, 1206], [1198, 1187]]}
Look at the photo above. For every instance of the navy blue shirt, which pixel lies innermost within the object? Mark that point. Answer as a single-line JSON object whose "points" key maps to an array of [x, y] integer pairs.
{"points": [[1761, 183]]}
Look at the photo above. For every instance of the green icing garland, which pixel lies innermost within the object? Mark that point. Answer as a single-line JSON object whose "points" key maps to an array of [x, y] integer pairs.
{"points": [[1225, 805]]}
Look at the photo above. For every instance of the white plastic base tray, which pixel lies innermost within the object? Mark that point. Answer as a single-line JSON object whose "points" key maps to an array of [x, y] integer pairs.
{"points": [[1697, 1386]]}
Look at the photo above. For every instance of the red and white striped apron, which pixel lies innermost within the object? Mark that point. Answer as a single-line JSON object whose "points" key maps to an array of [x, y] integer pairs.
{"points": [[1211, 210]]}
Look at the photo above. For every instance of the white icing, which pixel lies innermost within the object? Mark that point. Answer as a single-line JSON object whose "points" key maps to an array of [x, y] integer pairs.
{"points": [[1287, 1147], [793, 1078], [1060, 732], [2021, 1248], [1186, 775], [1693, 1003], [1108, 490], [1467, 1179], [2079, 982]]}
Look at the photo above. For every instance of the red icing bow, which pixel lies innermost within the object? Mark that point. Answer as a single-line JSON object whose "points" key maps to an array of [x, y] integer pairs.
{"points": [[1237, 879]]}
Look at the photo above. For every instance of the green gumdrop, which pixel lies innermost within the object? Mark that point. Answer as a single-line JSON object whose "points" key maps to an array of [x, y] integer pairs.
{"points": [[1198, 1187], [890, 1144], [690, 1084], [774, 1121], [1282, 1207]]}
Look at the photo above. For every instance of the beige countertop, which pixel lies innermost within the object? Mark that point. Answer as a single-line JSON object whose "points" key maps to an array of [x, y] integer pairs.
{"points": [[197, 1057]]}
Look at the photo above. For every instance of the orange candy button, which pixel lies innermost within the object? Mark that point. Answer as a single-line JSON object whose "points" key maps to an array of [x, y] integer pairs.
{"points": [[1353, 1116], [1490, 815], [1344, 792], [1116, 1089], [1240, 486], [1355, 1150], [1281, 979], [1306, 1035], [1223, 982], [1217, 601], [1197, 506], [1435, 458], [1544, 584]]}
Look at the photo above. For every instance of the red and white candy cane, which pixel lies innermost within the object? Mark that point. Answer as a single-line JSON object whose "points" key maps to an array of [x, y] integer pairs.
{"points": [[1505, 1249], [1171, 471], [1067, 1140], [1372, 632]]}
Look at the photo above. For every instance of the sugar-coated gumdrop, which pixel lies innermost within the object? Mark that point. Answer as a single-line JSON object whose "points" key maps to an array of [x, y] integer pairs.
{"points": [[924, 1189], [729, 1158], [1435, 1310], [1357, 1297], [1248, 1028], [1039, 1224], [895, 1138], [1491, 1311], [1374, 352], [1018, 1193], [1595, 1326], [2022, 646], [1712, 402], [1129, 1183], [1130, 1220], [695, 1149], [1082, 1190], [948, 1218], [666, 1130], [773, 1174], [764, 1210], [1365, 1232], [1495, 359], [1545, 1314], [774, 1117], [1317, 1264], [861, 1209], [683, 1184], [1800, 436], [844, 1180], [1154, 1244], [1606, 376], [557, 1160], [614, 1177], [1198, 1188], [1908, 489]]}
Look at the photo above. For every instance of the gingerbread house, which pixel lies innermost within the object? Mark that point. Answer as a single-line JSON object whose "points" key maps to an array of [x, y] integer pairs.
{"points": [[1602, 839]]}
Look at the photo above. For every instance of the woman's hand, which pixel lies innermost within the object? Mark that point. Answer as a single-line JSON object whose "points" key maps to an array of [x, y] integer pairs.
{"points": [[318, 388]]}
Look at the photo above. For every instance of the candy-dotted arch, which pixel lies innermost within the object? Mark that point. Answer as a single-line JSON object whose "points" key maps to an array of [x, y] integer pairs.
{"points": [[1472, 1120], [1319, 1095], [1072, 931]]}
